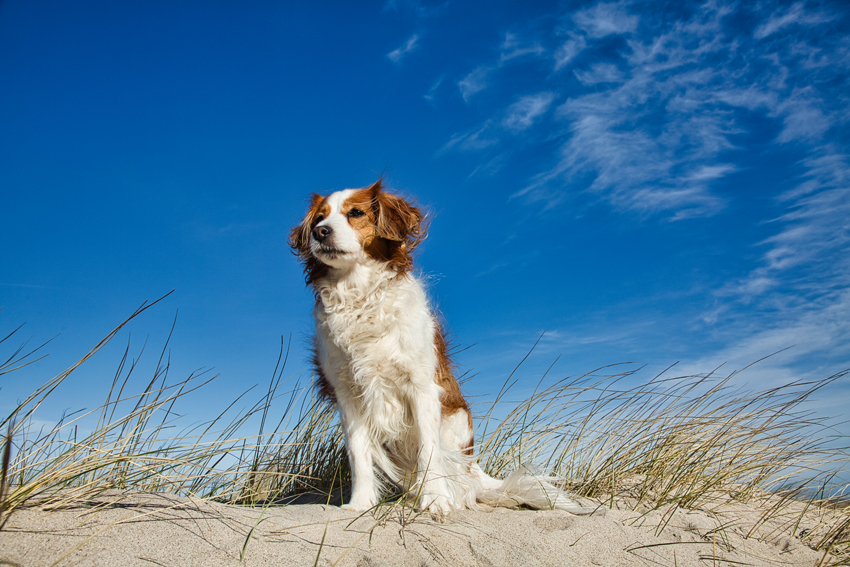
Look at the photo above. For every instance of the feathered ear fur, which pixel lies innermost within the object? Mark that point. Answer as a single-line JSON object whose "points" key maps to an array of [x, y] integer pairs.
{"points": [[398, 223], [299, 240]]}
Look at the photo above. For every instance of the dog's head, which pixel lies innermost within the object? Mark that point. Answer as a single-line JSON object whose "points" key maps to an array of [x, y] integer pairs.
{"points": [[353, 225]]}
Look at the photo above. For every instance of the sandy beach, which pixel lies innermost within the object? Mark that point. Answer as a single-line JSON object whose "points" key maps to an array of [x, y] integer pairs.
{"points": [[160, 529], [694, 464]]}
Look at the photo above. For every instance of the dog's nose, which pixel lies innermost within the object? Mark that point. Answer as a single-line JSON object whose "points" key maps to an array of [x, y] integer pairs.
{"points": [[321, 232]]}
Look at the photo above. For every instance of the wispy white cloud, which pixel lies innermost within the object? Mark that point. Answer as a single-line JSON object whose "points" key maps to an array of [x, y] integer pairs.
{"points": [[796, 14], [396, 55], [512, 48], [520, 116], [606, 19], [432, 92], [474, 82], [652, 130], [490, 167], [649, 162], [600, 73], [523, 113], [804, 333], [568, 51], [666, 168], [803, 118], [475, 140], [815, 228], [709, 172], [799, 294], [609, 144]]}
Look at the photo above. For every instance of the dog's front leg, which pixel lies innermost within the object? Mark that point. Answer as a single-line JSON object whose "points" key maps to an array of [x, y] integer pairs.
{"points": [[434, 493], [364, 489]]}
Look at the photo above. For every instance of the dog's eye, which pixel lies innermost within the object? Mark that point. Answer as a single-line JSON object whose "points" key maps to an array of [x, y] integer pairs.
{"points": [[354, 213], [320, 218]]}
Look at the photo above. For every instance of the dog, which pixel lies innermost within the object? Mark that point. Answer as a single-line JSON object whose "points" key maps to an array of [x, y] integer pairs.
{"points": [[380, 355]]}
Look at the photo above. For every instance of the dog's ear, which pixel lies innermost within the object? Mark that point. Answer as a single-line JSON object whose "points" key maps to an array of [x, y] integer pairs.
{"points": [[399, 223], [299, 240], [397, 219], [299, 236]]}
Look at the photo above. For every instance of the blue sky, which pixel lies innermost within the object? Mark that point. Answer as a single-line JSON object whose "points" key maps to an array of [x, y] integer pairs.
{"points": [[646, 182]]}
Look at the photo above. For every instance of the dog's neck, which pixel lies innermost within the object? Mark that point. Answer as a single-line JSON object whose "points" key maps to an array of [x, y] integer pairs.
{"points": [[358, 282]]}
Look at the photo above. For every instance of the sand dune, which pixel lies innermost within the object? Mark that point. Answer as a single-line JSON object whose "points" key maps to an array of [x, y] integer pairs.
{"points": [[159, 529]]}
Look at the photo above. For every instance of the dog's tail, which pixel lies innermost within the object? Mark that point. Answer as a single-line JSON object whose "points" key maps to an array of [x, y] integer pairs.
{"points": [[523, 487]]}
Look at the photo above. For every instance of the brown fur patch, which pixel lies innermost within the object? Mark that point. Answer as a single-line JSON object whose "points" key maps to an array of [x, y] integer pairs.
{"points": [[452, 398], [402, 226], [391, 228]]}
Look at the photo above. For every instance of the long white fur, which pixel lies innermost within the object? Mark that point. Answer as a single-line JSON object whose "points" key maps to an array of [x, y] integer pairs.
{"points": [[375, 343]]}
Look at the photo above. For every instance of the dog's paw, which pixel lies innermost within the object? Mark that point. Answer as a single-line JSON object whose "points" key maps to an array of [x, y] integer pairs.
{"points": [[437, 505], [358, 506]]}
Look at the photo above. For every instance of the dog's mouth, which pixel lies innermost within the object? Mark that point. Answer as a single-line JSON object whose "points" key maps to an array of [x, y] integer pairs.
{"points": [[328, 252]]}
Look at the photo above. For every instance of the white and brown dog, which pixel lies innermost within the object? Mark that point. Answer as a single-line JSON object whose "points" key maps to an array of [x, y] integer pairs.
{"points": [[380, 355]]}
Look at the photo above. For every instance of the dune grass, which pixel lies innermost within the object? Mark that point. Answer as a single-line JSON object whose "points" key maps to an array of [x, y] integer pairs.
{"points": [[672, 441]]}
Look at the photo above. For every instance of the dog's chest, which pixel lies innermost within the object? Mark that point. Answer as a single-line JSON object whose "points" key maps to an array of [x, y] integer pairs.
{"points": [[379, 336], [363, 325], [375, 356]]}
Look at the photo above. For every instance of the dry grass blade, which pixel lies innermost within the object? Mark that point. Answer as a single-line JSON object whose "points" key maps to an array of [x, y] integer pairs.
{"points": [[4, 472]]}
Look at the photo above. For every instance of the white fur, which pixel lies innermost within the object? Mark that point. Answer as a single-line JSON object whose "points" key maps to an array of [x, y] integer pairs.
{"points": [[375, 343]]}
